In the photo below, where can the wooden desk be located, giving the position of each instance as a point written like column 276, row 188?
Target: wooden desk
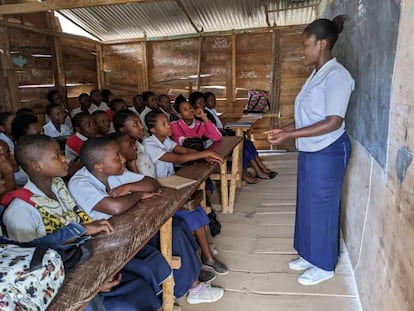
column 132, row 230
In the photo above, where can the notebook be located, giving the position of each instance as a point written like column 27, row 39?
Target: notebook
column 176, row 182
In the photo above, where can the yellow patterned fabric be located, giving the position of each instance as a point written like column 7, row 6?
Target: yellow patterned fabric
column 56, row 215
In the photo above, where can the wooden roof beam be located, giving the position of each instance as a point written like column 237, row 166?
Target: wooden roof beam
column 181, row 6
column 44, row 6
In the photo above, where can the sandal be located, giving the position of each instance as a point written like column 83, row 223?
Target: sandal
column 217, row 266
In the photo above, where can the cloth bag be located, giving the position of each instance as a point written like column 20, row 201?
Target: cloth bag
column 30, row 277
column 258, row 102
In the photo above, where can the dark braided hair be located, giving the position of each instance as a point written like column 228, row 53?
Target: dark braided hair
column 151, row 118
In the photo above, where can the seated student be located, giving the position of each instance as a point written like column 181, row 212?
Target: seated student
column 151, row 103
column 85, row 127
column 56, row 126
column 104, row 188
column 164, row 152
column 250, row 154
column 6, row 134
column 115, row 105
column 25, row 124
column 103, row 123
column 54, row 97
column 97, row 102
column 106, row 96
column 166, row 107
column 128, row 122
column 85, row 103
column 138, row 105
column 40, row 156
column 189, row 127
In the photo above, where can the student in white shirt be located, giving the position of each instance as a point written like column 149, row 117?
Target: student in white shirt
column 97, row 102
column 324, row 152
column 85, row 103
column 56, row 126
column 6, row 134
column 54, row 97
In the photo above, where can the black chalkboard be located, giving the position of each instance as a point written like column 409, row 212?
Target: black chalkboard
column 366, row 48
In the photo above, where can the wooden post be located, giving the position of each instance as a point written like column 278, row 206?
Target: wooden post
column 145, row 68
column 9, row 72
column 190, row 88
column 100, row 66
column 275, row 91
column 57, row 58
column 166, row 251
column 200, row 54
column 236, row 176
column 233, row 71
column 224, row 189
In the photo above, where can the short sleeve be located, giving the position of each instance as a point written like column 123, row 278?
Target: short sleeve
column 339, row 86
column 126, row 178
column 153, row 149
column 23, row 222
column 86, row 195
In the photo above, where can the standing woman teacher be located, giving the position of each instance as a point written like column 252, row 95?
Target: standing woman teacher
column 324, row 152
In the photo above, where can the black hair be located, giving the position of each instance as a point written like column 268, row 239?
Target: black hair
column 105, row 93
column 116, row 136
column 146, row 95
column 96, row 112
column 194, row 96
column 24, row 111
column 180, row 99
column 91, row 151
column 21, row 123
column 50, row 107
column 208, row 94
column 77, row 118
column 114, row 102
column 119, row 118
column 4, row 116
column 50, row 95
column 28, row 148
column 94, row 91
column 81, row 96
column 326, row 29
column 151, row 119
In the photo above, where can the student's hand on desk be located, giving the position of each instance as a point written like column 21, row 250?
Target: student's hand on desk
column 212, row 157
column 111, row 283
column 98, row 226
column 148, row 195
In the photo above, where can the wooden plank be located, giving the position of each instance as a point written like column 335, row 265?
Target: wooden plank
column 199, row 60
column 99, row 67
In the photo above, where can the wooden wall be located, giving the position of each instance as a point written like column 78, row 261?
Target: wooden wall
column 226, row 64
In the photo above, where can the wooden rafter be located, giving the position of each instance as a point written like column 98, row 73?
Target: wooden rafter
column 43, row 6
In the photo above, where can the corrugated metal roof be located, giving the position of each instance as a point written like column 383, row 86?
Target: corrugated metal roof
column 167, row 18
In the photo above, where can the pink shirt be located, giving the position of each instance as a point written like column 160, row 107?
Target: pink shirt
column 181, row 131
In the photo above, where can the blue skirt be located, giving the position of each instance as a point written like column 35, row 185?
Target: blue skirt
column 249, row 152
column 195, row 219
column 319, row 186
column 185, row 246
column 149, row 264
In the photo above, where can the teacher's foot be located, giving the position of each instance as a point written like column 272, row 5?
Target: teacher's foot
column 314, row 276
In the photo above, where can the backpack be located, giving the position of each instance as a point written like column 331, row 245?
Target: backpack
column 258, row 102
column 30, row 277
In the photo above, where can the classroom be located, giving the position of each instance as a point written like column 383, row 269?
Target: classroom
column 240, row 72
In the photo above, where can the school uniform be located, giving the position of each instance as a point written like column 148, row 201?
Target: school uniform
column 68, row 121
column 88, row 191
column 49, row 129
column 322, row 163
column 20, row 176
column 25, row 223
column 144, row 163
column 73, row 146
column 156, row 149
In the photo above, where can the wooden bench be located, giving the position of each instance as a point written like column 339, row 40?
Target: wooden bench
column 132, row 230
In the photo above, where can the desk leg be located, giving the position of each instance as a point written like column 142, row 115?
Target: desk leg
column 166, row 251
column 235, row 175
column 239, row 161
column 224, row 187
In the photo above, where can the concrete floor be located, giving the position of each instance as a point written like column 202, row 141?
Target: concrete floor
column 256, row 244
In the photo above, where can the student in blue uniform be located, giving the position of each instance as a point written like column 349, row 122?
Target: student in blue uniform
column 324, row 152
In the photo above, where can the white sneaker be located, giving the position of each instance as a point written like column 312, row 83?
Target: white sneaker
column 314, row 276
column 208, row 294
column 300, row 264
